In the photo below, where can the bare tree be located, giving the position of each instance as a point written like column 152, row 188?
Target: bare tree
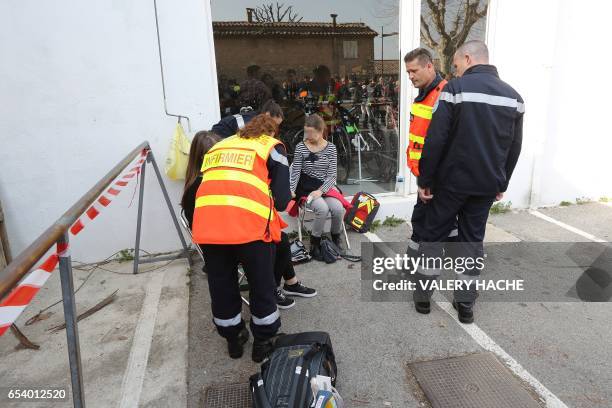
column 448, row 37
column 271, row 13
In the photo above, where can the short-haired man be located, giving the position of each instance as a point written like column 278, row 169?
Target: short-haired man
column 472, row 146
column 422, row 74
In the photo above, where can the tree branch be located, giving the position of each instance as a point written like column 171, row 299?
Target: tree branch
column 438, row 10
column 427, row 37
column 457, row 20
column 275, row 13
column 471, row 17
column 293, row 16
column 259, row 16
column 287, row 11
column 482, row 13
column 442, row 6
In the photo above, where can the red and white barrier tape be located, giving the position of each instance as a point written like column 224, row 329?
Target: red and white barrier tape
column 19, row 298
column 106, row 198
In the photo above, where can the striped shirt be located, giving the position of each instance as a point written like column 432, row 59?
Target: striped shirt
column 320, row 165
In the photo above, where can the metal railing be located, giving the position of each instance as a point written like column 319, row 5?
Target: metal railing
column 58, row 233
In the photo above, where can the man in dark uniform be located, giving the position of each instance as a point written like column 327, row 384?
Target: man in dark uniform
column 422, row 74
column 472, row 146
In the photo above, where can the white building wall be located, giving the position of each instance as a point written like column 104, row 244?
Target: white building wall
column 80, row 88
column 553, row 53
column 580, row 137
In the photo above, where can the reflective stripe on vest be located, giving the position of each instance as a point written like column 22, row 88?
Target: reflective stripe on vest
column 422, row 111
column 235, row 201
column 418, row 139
column 420, row 117
column 235, row 175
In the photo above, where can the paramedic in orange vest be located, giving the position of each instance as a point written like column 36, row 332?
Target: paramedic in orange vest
column 422, row 74
column 245, row 180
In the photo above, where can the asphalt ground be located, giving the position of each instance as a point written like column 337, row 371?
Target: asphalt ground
column 561, row 347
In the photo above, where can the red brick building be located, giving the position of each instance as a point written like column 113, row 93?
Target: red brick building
column 387, row 68
column 346, row 48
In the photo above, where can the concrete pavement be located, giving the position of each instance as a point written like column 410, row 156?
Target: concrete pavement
column 560, row 344
column 133, row 351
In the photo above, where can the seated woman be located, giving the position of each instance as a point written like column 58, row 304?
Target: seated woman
column 313, row 174
column 283, row 267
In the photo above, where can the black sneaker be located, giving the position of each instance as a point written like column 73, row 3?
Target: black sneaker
column 261, row 350
column 297, row 289
column 235, row 347
column 465, row 312
column 282, row 301
column 422, row 307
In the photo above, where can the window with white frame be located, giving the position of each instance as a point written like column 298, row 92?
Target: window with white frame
column 350, row 49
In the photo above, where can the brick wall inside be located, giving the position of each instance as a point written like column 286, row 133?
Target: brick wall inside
column 276, row 55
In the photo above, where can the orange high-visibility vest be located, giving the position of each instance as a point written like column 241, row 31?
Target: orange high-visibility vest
column 234, row 203
column 420, row 117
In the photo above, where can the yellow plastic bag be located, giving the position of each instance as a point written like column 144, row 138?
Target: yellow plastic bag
column 178, row 155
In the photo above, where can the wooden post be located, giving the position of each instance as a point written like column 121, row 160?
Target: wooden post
column 5, row 251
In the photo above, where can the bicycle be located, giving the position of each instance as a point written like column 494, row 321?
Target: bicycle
column 379, row 142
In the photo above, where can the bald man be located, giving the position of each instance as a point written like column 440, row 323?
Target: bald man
column 471, row 149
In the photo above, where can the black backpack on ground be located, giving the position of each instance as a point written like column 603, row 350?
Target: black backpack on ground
column 284, row 380
column 330, row 252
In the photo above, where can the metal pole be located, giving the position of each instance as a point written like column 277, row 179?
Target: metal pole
column 169, row 204
column 161, row 68
column 382, row 51
column 143, row 167
column 70, row 315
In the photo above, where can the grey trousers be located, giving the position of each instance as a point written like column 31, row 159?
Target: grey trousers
column 322, row 206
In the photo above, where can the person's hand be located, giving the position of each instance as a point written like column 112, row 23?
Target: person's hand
column 425, row 194
column 292, row 194
column 499, row 196
column 316, row 194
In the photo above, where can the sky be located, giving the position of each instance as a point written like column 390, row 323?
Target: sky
column 375, row 14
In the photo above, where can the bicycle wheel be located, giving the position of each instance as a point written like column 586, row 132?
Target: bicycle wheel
column 382, row 160
column 341, row 139
column 290, row 140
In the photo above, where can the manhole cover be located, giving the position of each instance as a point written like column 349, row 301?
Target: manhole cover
column 473, row 381
column 228, row 396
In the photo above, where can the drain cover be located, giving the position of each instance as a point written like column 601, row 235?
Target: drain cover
column 473, row 381
column 228, row 396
